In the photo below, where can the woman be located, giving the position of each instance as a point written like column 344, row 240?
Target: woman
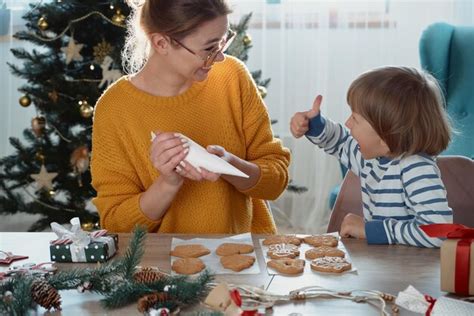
column 182, row 84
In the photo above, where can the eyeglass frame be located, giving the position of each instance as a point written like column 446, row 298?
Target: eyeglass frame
column 211, row 57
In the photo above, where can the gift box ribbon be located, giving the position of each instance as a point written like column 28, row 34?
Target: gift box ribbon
column 79, row 239
column 463, row 250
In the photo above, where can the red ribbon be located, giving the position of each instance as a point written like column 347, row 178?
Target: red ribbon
column 432, row 301
column 235, row 296
column 237, row 299
column 67, row 240
column 463, row 250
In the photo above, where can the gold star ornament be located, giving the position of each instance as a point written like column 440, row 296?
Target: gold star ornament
column 72, row 51
column 44, row 179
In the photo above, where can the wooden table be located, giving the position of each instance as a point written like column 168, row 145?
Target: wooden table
column 386, row 268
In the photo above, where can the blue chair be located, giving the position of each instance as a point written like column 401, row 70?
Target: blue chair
column 335, row 191
column 447, row 52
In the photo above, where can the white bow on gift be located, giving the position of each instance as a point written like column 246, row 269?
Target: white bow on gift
column 199, row 157
column 78, row 238
column 412, row 300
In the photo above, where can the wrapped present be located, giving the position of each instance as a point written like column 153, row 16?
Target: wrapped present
column 457, row 257
column 76, row 245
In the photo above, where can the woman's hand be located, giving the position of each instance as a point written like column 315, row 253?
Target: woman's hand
column 299, row 124
column 167, row 151
column 185, row 169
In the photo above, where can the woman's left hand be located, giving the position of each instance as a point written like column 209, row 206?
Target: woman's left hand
column 186, row 170
column 219, row 151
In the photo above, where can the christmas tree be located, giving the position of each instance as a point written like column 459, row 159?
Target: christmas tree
column 78, row 56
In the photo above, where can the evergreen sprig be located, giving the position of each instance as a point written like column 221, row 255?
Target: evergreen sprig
column 114, row 280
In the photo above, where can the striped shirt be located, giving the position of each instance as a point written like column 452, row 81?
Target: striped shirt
column 398, row 194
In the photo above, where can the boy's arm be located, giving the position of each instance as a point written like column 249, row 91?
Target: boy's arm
column 335, row 139
column 426, row 198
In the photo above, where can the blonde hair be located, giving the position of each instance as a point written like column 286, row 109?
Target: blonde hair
column 405, row 106
column 175, row 18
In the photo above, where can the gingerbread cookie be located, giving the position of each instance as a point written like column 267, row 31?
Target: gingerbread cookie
column 227, row 249
column 188, row 265
column 331, row 264
column 287, row 265
column 237, row 263
column 324, row 251
column 321, row 240
column 280, row 251
column 282, row 239
column 189, row 251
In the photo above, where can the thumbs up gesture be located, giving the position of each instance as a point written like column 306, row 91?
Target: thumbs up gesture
column 299, row 124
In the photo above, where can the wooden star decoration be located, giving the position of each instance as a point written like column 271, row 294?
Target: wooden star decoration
column 8, row 257
column 44, row 179
column 72, row 51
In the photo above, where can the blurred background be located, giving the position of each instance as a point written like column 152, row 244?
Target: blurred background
column 305, row 48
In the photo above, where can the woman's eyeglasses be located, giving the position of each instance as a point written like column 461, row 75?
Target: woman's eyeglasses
column 211, row 57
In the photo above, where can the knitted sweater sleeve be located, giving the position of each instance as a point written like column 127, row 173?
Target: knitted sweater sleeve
column 263, row 149
column 113, row 177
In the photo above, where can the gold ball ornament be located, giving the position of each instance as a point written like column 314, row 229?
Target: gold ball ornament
column 87, row 226
column 86, row 109
column 247, row 40
column 118, row 17
column 42, row 23
column 37, row 125
column 263, row 91
column 25, row 101
column 39, row 156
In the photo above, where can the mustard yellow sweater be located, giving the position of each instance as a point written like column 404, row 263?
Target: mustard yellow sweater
column 225, row 110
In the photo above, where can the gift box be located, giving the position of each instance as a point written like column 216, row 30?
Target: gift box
column 457, row 257
column 96, row 251
column 75, row 245
column 456, row 275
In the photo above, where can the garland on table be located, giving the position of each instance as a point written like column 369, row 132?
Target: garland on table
column 236, row 299
column 120, row 281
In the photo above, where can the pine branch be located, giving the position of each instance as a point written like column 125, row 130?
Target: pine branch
column 191, row 292
column 124, row 294
column 135, row 252
column 22, row 303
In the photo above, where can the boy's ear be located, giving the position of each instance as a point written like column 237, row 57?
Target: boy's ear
column 159, row 43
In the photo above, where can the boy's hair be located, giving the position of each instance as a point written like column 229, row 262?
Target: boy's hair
column 405, row 106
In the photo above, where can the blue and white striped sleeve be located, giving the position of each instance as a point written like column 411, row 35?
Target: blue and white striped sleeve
column 426, row 199
column 335, row 139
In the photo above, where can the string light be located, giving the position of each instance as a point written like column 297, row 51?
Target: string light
column 60, row 35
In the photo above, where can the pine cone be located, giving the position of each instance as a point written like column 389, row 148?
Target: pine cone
column 147, row 275
column 45, row 295
column 148, row 301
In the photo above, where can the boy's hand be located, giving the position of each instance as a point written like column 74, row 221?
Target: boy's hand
column 300, row 121
column 353, row 226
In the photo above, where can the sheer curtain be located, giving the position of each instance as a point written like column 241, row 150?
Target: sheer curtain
column 13, row 118
column 319, row 47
